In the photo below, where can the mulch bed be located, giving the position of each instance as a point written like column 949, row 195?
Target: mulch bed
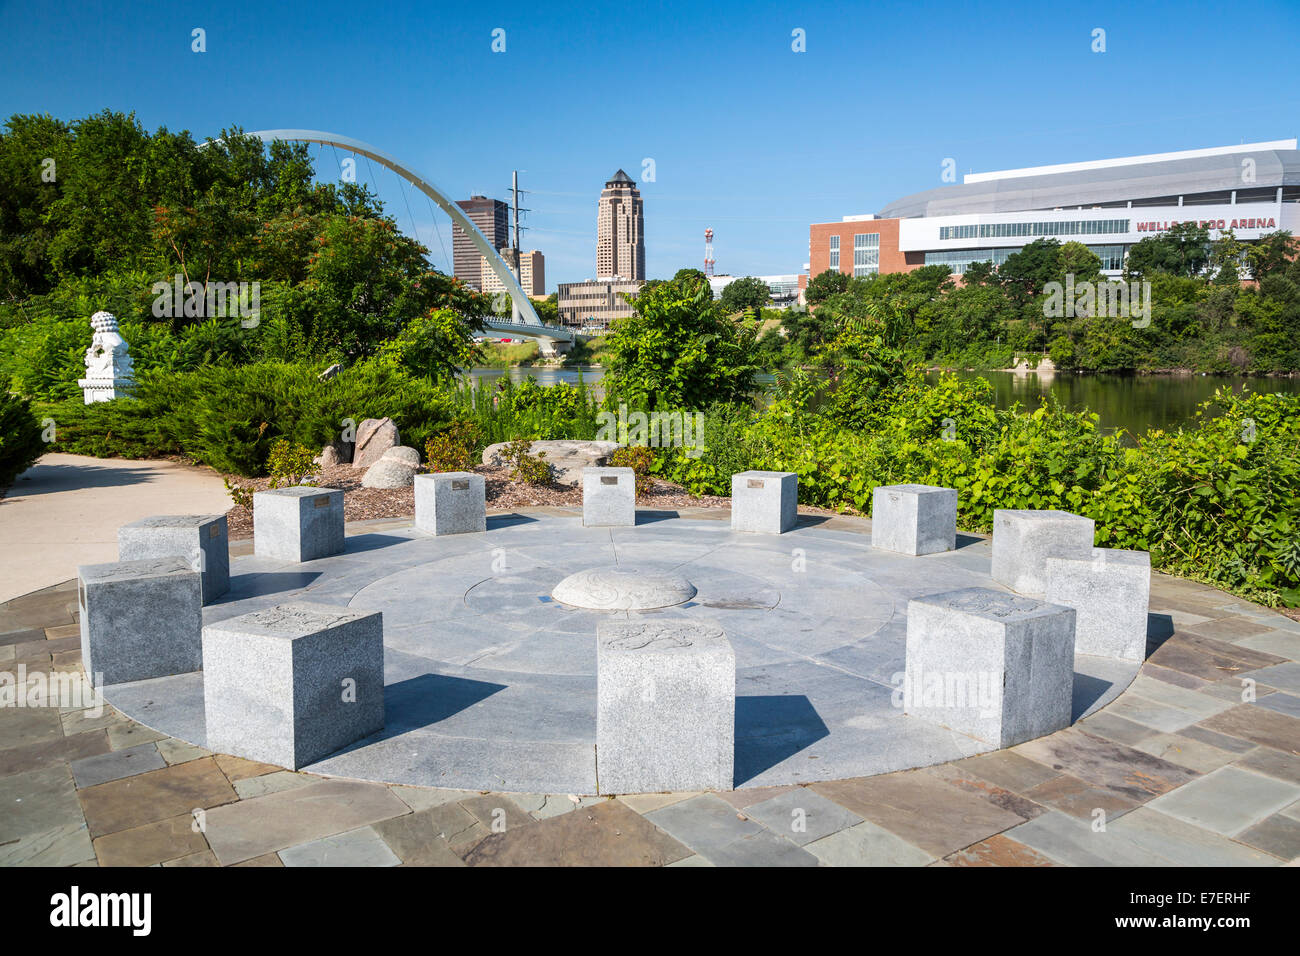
column 503, row 494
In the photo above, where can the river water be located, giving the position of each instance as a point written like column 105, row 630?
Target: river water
column 1136, row 403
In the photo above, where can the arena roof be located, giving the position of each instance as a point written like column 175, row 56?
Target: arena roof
column 1110, row 181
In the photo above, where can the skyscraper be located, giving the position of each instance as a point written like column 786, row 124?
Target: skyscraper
column 492, row 216
column 620, row 230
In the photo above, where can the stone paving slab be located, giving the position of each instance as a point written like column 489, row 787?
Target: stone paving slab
column 247, row 829
column 1221, row 790
column 360, row 847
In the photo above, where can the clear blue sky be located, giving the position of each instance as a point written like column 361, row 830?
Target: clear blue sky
column 747, row 136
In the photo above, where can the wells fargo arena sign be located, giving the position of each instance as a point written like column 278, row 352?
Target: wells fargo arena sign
column 1261, row 223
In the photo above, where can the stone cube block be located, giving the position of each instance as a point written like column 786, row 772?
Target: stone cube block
column 1023, row 540
column 292, row 684
column 202, row 540
column 608, row 497
column 765, row 502
column 665, row 707
column 450, row 502
column 1110, row 591
column 298, row 524
column 140, row 619
column 994, row 666
column 914, row 519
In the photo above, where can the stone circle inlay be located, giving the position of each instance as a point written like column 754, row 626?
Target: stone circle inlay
column 623, row 589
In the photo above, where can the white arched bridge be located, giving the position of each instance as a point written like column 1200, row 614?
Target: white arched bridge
column 524, row 321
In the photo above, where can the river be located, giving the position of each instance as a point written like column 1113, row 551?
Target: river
column 1136, row 403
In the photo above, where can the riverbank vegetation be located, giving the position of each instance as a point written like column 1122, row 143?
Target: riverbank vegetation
column 1201, row 316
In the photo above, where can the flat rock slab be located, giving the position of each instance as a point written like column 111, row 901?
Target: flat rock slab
column 567, row 457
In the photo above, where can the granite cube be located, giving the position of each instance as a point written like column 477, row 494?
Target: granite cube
column 1023, row 540
column 450, row 502
column 608, row 497
column 665, row 707
column 202, row 540
column 140, row 619
column 994, row 666
column 298, row 523
column 1110, row 591
column 765, row 502
column 292, row 684
column 914, row 519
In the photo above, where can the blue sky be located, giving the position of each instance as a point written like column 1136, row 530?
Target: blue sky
column 746, row 135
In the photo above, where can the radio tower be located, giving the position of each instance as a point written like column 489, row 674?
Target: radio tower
column 708, row 252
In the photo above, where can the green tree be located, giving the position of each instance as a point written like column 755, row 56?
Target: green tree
column 1182, row 250
column 678, row 350
column 1271, row 254
column 824, row 285
column 745, row 293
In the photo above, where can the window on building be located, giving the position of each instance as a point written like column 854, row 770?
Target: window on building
column 835, row 253
column 866, row 254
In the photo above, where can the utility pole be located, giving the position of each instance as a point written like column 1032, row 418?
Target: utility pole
column 516, row 251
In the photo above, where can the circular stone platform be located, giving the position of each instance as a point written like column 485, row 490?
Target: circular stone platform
column 624, row 589
column 491, row 678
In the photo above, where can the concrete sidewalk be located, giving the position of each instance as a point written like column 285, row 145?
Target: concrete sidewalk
column 65, row 510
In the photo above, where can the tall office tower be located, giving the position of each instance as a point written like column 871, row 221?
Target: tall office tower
column 620, row 230
column 492, row 216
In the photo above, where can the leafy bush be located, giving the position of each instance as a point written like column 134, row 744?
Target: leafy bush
column 502, row 409
column 526, row 467
column 290, row 464
column 453, row 448
column 240, row 495
column 641, row 460
column 20, row 437
column 229, row 418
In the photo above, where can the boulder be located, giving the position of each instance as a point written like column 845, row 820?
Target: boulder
column 389, row 473
column 566, row 457
column 374, row 437
column 403, row 453
column 328, row 457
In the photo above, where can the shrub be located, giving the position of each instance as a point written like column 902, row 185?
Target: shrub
column 20, row 437
column 290, row 464
column 241, row 495
column 526, row 467
column 641, row 460
column 229, row 418
column 453, row 448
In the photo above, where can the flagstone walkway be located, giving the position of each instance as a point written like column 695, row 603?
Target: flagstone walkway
column 1183, row 768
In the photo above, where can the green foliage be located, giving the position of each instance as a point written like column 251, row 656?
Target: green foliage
column 502, row 410
column 641, row 460
column 1182, row 250
column 434, row 345
column 524, row 466
column 824, row 285
column 453, row 448
column 229, row 418
column 290, row 464
column 20, row 437
column 240, row 495
column 745, row 293
column 678, row 351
